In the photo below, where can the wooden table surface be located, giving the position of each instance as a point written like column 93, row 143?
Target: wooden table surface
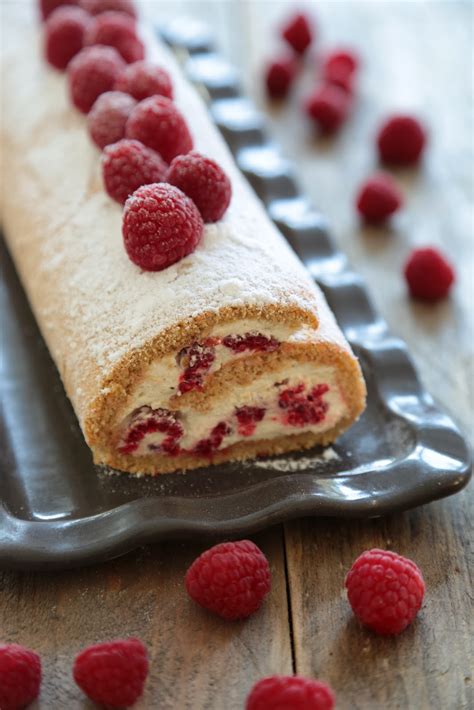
column 416, row 56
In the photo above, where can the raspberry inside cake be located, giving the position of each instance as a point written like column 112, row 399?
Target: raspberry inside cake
column 239, row 390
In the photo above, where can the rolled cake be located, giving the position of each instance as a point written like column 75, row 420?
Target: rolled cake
column 228, row 354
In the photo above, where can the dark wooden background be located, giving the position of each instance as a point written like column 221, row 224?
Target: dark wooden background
column 417, row 56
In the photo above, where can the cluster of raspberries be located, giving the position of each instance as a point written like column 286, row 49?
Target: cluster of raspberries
column 400, row 142
column 231, row 579
column 168, row 190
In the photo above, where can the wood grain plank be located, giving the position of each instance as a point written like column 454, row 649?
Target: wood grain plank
column 197, row 660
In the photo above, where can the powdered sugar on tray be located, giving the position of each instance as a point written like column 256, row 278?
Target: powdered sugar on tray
column 297, row 464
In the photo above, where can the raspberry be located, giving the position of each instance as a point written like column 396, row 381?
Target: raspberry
column 328, row 106
column 301, row 408
column 158, row 123
column 385, row 590
column 146, row 420
column 20, row 676
column 161, row 225
column 143, row 79
column 115, row 29
column 230, row 579
column 340, row 67
column 91, row 73
column 96, row 7
column 197, row 360
column 250, row 341
column 127, row 165
column 248, row 418
column 290, row 693
column 428, row 274
column 378, row 198
column 107, row 118
column 298, row 33
column 401, row 140
column 279, row 76
column 47, row 7
column 206, row 447
column 204, row 181
column 64, row 35
column 114, row 673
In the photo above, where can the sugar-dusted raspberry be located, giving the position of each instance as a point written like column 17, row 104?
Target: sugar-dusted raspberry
column 114, row 673
column 385, row 590
column 279, row 76
column 115, row 29
column 161, row 225
column 340, row 67
column 196, row 361
column 231, row 579
column 20, row 676
column 207, row 446
column 158, row 123
column 328, row 106
column 378, row 198
column 401, row 140
column 281, row 692
column 298, row 32
column 47, row 7
column 256, row 342
column 127, row 165
column 146, row 420
column 91, row 73
column 248, row 418
column 144, row 79
column 107, row 118
column 301, row 407
column 64, row 32
column 96, row 7
column 204, row 181
column 428, row 274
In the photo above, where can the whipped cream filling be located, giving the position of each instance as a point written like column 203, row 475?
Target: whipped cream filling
column 300, row 398
column 163, row 379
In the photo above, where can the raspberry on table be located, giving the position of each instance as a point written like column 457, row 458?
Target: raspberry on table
column 107, row 118
column 328, row 106
column 378, row 198
column 298, row 32
column 118, row 30
column 340, row 67
column 127, row 165
column 231, row 579
column 204, row 181
column 96, row 7
column 158, row 123
column 401, row 140
column 161, row 225
column 428, row 274
column 91, row 73
column 143, row 79
column 114, row 673
column 47, row 7
column 279, row 76
column 64, row 32
column 281, row 692
column 20, row 676
column 385, row 590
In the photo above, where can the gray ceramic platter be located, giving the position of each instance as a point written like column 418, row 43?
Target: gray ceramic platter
column 58, row 510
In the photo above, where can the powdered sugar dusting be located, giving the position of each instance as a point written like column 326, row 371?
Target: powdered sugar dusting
column 94, row 306
column 289, row 465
